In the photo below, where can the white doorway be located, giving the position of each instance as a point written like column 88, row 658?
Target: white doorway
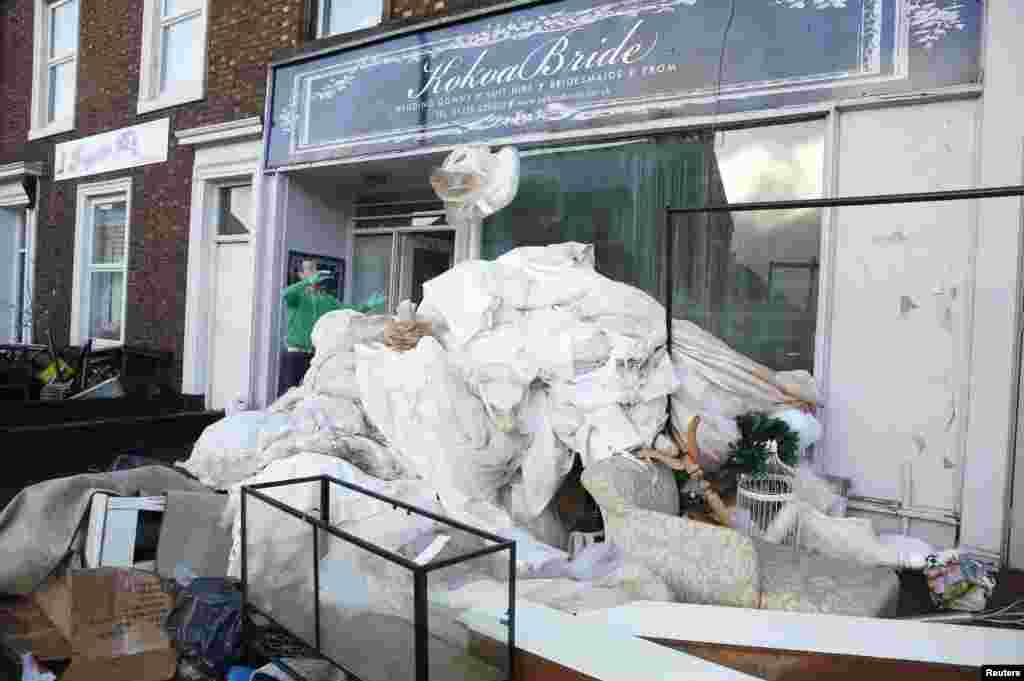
column 230, row 310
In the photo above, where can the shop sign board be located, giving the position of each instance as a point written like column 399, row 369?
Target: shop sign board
column 560, row 66
column 130, row 147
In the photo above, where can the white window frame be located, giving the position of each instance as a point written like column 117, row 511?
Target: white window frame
column 321, row 18
column 87, row 193
column 39, row 125
column 153, row 23
column 24, row 259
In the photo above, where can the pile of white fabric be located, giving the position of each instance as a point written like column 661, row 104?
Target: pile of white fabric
column 718, row 384
column 535, row 358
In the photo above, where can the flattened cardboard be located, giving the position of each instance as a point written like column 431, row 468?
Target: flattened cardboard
column 112, row 617
column 26, row 628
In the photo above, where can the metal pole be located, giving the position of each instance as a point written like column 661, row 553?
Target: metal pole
column 669, row 274
column 512, row 613
column 316, row 586
column 420, row 617
column 245, row 581
column 879, row 199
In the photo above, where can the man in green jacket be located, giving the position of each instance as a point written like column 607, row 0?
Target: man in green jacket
column 305, row 302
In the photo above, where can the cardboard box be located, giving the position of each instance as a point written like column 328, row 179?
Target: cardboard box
column 27, row 629
column 112, row 618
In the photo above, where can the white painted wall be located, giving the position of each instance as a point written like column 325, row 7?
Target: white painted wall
column 894, row 388
column 317, row 220
column 995, row 291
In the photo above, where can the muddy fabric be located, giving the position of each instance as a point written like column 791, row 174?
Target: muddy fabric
column 37, row 527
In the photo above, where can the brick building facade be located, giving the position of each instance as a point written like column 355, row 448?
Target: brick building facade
column 241, row 39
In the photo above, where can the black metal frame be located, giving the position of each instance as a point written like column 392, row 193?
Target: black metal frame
column 837, row 202
column 420, row 572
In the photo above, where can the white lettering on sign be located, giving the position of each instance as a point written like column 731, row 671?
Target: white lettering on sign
column 546, row 60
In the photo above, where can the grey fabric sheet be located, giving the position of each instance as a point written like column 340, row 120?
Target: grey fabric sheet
column 191, row 534
column 37, row 527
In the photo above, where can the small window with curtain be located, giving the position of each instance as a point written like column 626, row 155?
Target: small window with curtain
column 346, row 16
column 173, row 53
column 101, row 262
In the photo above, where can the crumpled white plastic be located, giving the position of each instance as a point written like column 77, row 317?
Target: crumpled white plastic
column 426, row 411
column 228, row 451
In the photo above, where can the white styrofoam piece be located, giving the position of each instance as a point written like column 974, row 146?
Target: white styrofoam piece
column 138, row 503
column 591, row 647
column 431, row 551
column 97, row 523
column 816, row 633
column 119, row 538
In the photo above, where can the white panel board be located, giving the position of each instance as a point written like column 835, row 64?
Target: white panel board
column 901, row 273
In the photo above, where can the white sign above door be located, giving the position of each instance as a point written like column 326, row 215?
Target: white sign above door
column 131, row 147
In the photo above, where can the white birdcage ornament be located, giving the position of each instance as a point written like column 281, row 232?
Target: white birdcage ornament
column 761, row 497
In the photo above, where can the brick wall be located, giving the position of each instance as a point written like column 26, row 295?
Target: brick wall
column 242, row 35
column 15, row 87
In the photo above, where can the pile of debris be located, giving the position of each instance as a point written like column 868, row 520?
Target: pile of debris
column 477, row 405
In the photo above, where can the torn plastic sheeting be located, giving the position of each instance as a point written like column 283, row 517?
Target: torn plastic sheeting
column 547, row 461
column 426, row 411
column 469, row 295
column 227, row 451
column 342, row 330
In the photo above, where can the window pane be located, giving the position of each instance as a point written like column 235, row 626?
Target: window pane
column 172, row 8
column 21, row 314
column 751, row 278
column 109, row 222
column 372, row 268
column 344, row 16
column 235, row 214
column 62, row 91
column 611, row 197
column 179, row 58
column 64, row 29
column 106, row 301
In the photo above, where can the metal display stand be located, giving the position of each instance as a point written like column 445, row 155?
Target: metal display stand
column 420, row 572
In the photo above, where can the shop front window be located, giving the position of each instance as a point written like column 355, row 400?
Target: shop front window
column 751, row 278
column 612, row 196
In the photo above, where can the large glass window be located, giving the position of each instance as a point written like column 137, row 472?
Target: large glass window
column 611, row 196
column 751, row 278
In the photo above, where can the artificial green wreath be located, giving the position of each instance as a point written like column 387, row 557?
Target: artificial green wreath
column 750, row 453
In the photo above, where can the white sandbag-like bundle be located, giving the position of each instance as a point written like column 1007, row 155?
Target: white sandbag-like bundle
column 422, row 406
column 228, row 451
column 718, row 384
column 558, row 353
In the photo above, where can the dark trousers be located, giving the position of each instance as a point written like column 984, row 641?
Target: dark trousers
column 294, row 366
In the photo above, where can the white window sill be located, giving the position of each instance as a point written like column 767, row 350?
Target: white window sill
column 169, row 99
column 54, row 128
column 103, row 344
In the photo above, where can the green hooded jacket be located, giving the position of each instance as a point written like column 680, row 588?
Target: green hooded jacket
column 304, row 309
